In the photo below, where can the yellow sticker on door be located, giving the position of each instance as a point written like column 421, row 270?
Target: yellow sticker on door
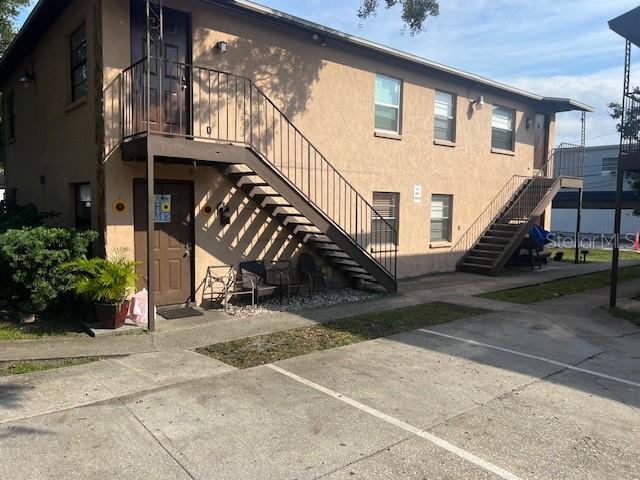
column 162, row 209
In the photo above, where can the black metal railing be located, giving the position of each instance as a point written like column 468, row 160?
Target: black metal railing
column 493, row 211
column 567, row 160
column 205, row 104
column 520, row 196
column 630, row 123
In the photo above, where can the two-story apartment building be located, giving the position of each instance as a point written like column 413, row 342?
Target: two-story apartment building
column 263, row 134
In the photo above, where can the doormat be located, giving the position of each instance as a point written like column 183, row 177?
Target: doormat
column 179, row 312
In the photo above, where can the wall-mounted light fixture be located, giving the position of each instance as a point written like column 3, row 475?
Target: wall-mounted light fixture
column 319, row 39
column 528, row 123
column 478, row 102
column 221, row 47
column 224, row 214
column 26, row 78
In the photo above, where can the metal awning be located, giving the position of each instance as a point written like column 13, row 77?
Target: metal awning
column 627, row 26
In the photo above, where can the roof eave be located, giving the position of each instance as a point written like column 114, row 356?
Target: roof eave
column 46, row 11
column 399, row 54
column 566, row 105
column 627, row 26
column 39, row 21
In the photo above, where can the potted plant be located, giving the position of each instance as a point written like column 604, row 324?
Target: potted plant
column 108, row 284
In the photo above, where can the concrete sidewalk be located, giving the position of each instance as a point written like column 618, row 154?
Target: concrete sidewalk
column 54, row 390
column 369, row 411
column 216, row 327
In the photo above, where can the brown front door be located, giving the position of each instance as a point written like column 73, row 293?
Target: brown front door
column 170, row 112
column 173, row 240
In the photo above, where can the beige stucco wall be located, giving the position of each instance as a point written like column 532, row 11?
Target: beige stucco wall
column 252, row 233
column 328, row 92
column 55, row 139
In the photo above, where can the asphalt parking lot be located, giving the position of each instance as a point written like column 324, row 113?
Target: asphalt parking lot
column 524, row 393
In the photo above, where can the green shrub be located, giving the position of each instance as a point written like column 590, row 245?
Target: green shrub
column 103, row 281
column 32, row 279
column 19, row 216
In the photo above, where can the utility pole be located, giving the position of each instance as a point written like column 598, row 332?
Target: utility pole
column 613, row 293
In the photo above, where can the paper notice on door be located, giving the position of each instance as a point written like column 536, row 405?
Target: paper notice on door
column 162, row 209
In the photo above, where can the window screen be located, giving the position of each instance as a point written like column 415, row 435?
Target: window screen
column 610, row 166
column 82, row 194
column 441, row 218
column 444, row 116
column 387, row 204
column 502, row 126
column 79, row 78
column 388, row 94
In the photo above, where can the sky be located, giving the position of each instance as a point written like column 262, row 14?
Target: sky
column 560, row 48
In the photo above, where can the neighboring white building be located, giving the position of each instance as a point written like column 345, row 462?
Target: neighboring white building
column 600, row 169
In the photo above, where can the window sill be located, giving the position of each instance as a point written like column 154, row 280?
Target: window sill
column 389, row 135
column 440, row 245
column 75, row 104
column 444, row 143
column 500, row 151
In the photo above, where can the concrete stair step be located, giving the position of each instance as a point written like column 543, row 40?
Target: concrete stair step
column 478, row 260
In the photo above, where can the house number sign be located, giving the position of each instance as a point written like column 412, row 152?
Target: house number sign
column 417, row 193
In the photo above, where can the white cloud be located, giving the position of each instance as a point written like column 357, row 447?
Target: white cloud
column 597, row 89
column 557, row 48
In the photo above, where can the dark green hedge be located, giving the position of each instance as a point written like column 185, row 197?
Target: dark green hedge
column 31, row 279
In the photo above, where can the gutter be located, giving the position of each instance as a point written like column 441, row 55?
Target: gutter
column 281, row 17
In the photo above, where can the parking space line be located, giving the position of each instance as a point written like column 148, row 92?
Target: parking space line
column 533, row 357
column 470, row 457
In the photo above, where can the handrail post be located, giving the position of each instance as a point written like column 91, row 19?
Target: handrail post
column 308, row 170
column 357, row 224
column 251, row 113
column 121, row 105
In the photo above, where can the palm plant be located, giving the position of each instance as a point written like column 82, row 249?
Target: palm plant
column 104, row 281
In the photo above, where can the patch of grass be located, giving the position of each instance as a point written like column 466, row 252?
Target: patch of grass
column 632, row 316
column 596, row 255
column 29, row 366
column 253, row 351
column 42, row 328
column 561, row 288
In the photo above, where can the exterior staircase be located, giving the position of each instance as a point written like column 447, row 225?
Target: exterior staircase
column 269, row 159
column 492, row 240
column 310, row 225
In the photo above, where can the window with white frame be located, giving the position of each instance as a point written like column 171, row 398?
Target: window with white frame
column 444, row 116
column 441, row 206
column 609, row 166
column 387, row 204
column 388, row 97
column 502, row 128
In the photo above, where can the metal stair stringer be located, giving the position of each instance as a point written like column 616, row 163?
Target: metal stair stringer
column 512, row 229
column 375, row 273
